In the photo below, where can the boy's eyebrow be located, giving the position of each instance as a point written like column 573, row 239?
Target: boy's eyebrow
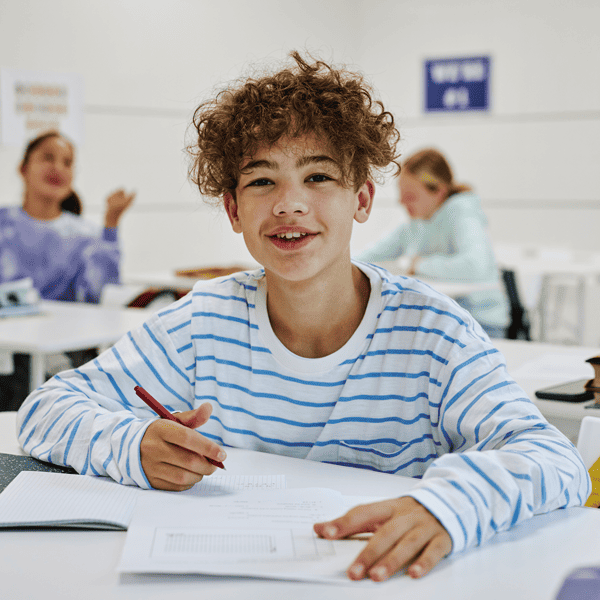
column 315, row 159
column 301, row 162
column 262, row 163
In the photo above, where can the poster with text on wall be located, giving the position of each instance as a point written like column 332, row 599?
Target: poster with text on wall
column 32, row 102
column 457, row 84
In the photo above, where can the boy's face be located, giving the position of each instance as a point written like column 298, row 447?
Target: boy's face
column 295, row 215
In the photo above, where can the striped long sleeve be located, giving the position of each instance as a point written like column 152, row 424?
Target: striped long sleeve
column 418, row 390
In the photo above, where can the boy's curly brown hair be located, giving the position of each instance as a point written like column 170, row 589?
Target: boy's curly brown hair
column 308, row 98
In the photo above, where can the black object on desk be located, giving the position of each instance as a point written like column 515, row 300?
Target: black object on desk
column 12, row 464
column 571, row 391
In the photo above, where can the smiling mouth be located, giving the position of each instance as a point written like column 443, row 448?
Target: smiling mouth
column 290, row 235
column 292, row 239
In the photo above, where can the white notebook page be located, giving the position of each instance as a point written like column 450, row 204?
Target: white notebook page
column 62, row 499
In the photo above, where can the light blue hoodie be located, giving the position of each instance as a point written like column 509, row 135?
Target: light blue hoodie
column 454, row 246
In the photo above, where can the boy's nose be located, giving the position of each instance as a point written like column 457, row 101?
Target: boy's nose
column 290, row 201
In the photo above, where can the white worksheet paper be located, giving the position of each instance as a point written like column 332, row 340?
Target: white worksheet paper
column 266, row 534
column 220, row 485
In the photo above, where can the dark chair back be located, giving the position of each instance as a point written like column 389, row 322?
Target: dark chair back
column 156, row 298
column 519, row 327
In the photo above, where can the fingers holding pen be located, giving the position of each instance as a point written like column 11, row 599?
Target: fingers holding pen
column 174, row 456
column 196, row 418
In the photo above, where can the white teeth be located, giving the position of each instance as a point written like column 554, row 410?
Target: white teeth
column 290, row 235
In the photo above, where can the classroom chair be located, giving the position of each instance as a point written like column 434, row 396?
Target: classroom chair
column 139, row 296
column 588, row 442
column 518, row 327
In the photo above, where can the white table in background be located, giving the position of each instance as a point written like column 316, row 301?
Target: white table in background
column 530, row 363
column 165, row 279
column 63, row 327
column 531, row 561
column 459, row 290
column 168, row 279
column 159, row 279
column 454, row 289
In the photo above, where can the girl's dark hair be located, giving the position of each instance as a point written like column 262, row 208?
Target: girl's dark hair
column 433, row 163
column 335, row 104
column 72, row 203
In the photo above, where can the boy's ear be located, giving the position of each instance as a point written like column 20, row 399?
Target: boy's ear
column 231, row 208
column 365, row 196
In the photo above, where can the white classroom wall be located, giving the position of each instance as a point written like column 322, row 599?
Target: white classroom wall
column 147, row 63
column 534, row 157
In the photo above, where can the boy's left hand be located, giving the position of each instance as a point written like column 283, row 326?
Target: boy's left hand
column 404, row 533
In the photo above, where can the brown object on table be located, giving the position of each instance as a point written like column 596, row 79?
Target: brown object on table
column 209, row 272
column 593, row 385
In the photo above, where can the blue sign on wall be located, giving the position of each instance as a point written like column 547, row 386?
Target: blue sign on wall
column 457, row 84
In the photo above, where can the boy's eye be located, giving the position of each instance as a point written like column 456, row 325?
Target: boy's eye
column 260, row 182
column 319, row 178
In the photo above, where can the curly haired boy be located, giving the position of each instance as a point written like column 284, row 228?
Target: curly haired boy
column 315, row 355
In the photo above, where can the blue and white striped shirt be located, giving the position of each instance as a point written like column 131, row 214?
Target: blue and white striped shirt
column 418, row 390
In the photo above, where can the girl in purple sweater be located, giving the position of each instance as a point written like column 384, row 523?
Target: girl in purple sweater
column 67, row 257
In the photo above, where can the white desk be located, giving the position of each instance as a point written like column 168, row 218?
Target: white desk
column 524, row 360
column 459, row 290
column 529, row 562
column 450, row 288
column 62, row 327
column 159, row 279
column 169, row 279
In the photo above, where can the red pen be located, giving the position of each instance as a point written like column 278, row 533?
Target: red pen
column 162, row 412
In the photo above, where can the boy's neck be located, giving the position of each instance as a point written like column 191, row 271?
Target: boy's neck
column 316, row 319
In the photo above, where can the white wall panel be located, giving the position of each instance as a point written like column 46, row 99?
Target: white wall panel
column 545, row 160
column 146, row 64
column 164, row 53
column 534, row 156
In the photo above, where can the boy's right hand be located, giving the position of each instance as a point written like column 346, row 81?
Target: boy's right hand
column 173, row 454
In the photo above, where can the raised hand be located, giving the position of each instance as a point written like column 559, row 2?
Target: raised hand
column 116, row 204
